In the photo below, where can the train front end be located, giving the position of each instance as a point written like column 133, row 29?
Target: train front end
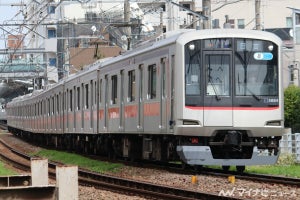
column 231, row 112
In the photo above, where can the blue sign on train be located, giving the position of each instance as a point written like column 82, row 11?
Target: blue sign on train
column 263, row 56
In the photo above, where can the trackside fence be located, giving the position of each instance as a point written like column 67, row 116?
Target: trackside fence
column 290, row 144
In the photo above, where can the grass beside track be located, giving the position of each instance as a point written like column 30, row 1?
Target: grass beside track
column 80, row 161
column 285, row 166
column 280, row 170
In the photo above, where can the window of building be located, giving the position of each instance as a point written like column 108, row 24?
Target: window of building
column 215, row 23
column 52, row 62
column 289, row 22
column 51, row 33
column 51, row 9
column 84, row 43
column 186, row 5
column 152, row 81
column 231, row 22
column 241, row 23
column 131, row 86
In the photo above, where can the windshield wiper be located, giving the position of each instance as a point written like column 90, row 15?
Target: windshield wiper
column 214, row 88
column 253, row 94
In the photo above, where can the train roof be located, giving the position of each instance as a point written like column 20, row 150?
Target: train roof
column 229, row 33
column 185, row 35
column 180, row 36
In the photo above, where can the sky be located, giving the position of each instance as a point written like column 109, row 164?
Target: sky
column 7, row 12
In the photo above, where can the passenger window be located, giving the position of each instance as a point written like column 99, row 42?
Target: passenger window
column 57, row 103
column 100, row 91
column 114, row 87
column 87, row 96
column 152, row 81
column 131, row 86
column 71, row 100
column 78, row 98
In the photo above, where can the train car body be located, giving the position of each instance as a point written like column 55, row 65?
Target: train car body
column 205, row 97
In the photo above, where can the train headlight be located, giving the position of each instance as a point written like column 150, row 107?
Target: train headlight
column 270, row 47
column 192, row 47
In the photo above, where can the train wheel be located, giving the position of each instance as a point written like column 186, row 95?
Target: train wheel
column 225, row 167
column 240, row 169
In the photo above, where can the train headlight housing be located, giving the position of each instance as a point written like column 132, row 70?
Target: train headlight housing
column 192, row 47
column 270, row 47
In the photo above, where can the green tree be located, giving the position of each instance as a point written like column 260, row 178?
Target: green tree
column 292, row 108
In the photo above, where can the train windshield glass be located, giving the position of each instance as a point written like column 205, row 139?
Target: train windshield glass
column 193, row 73
column 256, row 68
column 192, row 68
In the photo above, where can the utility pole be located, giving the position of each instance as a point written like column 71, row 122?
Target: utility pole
column 127, row 20
column 206, row 4
column 172, row 15
column 257, row 15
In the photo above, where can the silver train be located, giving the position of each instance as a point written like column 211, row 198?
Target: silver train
column 207, row 97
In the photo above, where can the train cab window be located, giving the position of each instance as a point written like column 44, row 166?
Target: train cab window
column 152, row 81
column 192, row 73
column 256, row 68
column 131, row 86
column 217, row 74
column 114, row 89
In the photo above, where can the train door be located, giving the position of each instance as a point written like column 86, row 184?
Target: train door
column 163, row 100
column 101, row 104
column 94, row 107
column 218, row 88
column 140, row 99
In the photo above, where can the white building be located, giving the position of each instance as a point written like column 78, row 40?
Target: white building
column 275, row 16
column 55, row 22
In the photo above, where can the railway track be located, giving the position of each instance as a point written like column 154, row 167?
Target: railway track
column 112, row 183
column 244, row 176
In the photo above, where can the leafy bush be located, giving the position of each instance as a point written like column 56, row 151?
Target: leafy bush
column 286, row 159
column 292, row 108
